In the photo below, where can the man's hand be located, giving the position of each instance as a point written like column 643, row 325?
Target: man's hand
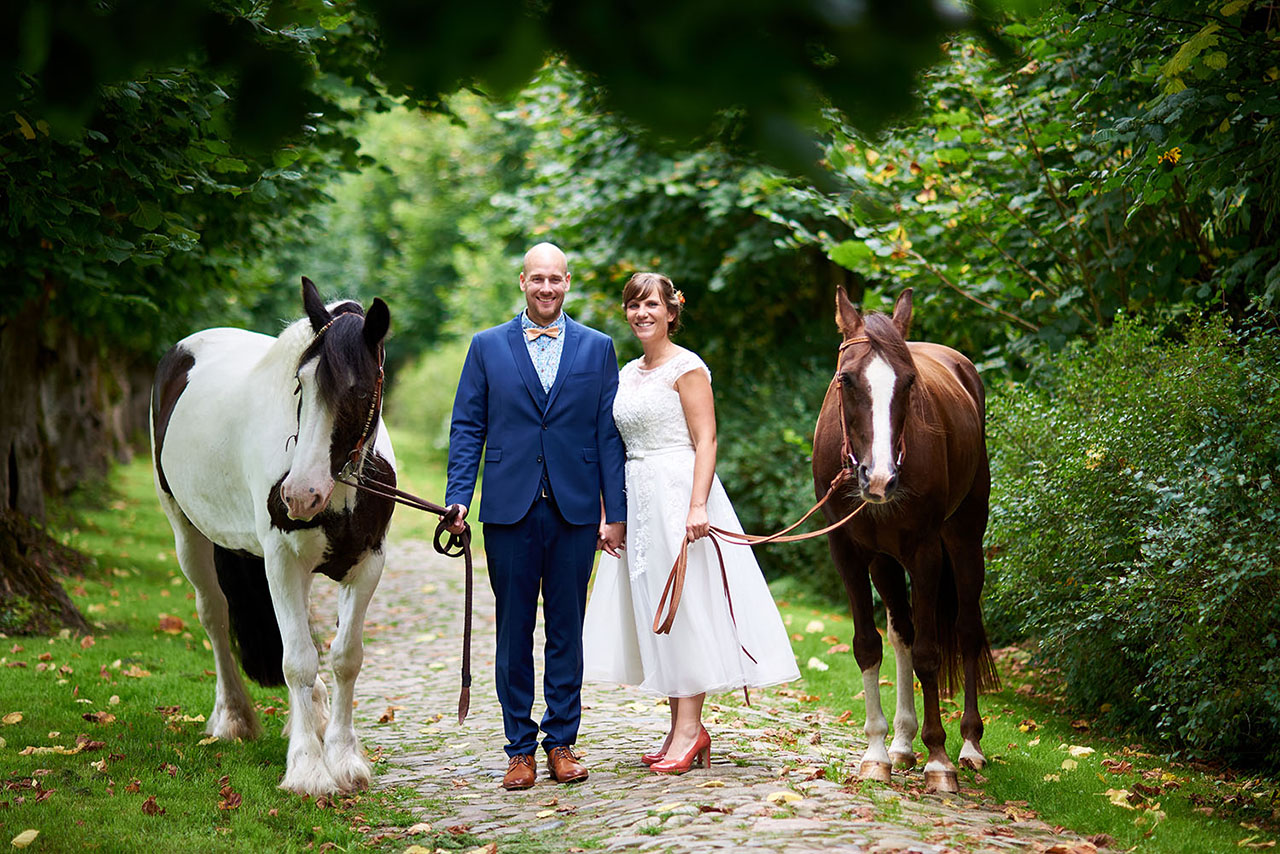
column 458, row 525
column 612, row 536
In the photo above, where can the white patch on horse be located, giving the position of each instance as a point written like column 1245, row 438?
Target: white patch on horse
column 880, row 381
column 306, row 490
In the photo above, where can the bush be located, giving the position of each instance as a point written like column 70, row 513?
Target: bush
column 765, row 431
column 1134, row 533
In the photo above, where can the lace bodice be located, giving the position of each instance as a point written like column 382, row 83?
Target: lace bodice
column 647, row 408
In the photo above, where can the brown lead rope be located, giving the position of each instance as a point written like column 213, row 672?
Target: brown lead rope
column 456, row 545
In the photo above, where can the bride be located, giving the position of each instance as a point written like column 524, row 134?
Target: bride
column 665, row 411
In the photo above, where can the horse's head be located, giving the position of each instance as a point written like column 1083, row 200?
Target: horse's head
column 340, row 383
column 875, row 374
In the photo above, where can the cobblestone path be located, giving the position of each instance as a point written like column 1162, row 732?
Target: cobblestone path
column 776, row 781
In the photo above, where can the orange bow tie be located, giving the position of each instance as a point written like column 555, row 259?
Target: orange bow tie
column 550, row 331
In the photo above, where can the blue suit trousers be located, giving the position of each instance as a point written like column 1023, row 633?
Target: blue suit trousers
column 540, row 553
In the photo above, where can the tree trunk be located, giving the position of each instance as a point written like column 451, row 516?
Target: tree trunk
column 32, row 602
column 66, row 410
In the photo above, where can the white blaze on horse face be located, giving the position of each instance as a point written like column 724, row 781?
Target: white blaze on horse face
column 306, row 489
column 880, row 380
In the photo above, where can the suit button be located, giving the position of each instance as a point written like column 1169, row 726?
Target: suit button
column 544, row 426
column 539, row 457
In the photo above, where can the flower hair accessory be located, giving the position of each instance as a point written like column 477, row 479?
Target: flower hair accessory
column 680, row 297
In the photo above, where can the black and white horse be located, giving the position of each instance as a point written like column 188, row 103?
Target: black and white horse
column 248, row 435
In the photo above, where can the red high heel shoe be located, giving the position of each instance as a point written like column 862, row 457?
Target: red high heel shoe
column 701, row 752
column 650, row 758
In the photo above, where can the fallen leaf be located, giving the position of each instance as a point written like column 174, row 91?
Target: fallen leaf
column 86, row 641
column 1119, row 797
column 11, row 719
column 816, row 663
column 711, row 784
column 150, row 807
column 99, row 717
column 420, row 827
column 491, row 848
column 814, row 626
column 136, row 672
column 171, row 624
column 783, row 797
column 418, row 849
column 25, row 838
column 838, row 648
column 210, row 740
column 1078, row 751
column 544, row 813
column 1069, row 765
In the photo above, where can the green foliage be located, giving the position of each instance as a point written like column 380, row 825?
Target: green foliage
column 417, row 229
column 678, row 67
column 1134, row 532
column 1096, row 174
column 136, row 223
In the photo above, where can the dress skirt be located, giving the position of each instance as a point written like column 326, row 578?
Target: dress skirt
column 704, row 651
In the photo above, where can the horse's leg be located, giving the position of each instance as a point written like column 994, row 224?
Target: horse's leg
column 233, row 715
column 851, row 562
column 962, row 538
column 320, row 693
column 890, row 579
column 305, row 770
column 342, row 750
column 926, row 568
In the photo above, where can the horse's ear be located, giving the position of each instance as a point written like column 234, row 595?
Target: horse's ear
column 316, row 312
column 902, row 312
column 847, row 317
column 376, row 323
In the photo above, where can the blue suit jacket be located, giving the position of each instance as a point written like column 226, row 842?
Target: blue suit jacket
column 501, row 407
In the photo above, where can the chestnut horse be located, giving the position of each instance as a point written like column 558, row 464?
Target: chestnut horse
column 905, row 423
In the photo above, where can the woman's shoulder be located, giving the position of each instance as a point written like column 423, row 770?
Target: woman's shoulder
column 684, row 361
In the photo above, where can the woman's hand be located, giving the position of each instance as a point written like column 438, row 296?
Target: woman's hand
column 697, row 525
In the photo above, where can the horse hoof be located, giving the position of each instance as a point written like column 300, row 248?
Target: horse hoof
column 903, row 761
column 878, row 772
column 973, row 763
column 941, row 781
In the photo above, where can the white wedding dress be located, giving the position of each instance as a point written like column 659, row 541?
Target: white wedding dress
column 704, row 651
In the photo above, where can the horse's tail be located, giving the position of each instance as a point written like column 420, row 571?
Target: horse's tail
column 254, row 630
column 951, row 667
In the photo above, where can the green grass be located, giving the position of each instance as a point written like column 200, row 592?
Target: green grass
column 151, row 674
column 1026, row 742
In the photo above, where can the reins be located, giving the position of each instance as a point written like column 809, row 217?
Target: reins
column 674, row 587
column 455, row 545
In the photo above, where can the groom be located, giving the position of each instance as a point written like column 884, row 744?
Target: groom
column 536, row 394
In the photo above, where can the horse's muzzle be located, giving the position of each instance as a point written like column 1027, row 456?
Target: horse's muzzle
column 303, row 505
column 877, row 487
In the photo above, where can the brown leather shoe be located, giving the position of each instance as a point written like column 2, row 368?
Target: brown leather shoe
column 521, row 772
column 564, row 766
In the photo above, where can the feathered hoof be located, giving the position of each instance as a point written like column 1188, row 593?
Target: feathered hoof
column 941, row 781
column 903, row 761
column 229, row 724
column 315, row 780
column 878, row 772
column 350, row 769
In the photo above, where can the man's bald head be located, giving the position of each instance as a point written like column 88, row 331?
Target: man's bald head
column 545, row 255
column 544, row 281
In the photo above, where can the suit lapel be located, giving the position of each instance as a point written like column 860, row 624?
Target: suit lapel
column 524, row 364
column 572, row 337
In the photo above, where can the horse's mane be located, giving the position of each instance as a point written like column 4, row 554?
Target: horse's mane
column 342, row 344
